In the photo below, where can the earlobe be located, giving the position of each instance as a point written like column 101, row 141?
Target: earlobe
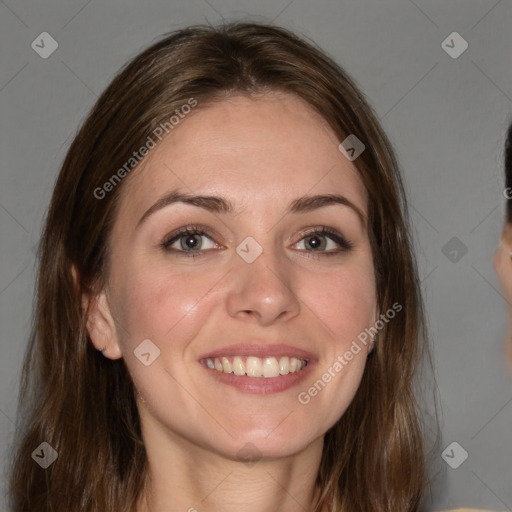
column 101, row 326
column 100, row 323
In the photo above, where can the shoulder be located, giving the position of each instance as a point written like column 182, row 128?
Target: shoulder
column 467, row 510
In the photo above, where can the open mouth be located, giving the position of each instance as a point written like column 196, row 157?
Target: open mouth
column 252, row 366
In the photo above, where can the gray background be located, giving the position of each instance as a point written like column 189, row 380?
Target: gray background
column 446, row 118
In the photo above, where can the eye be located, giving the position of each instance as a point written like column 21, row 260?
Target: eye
column 194, row 241
column 189, row 240
column 324, row 240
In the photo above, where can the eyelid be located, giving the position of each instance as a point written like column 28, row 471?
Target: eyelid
column 193, row 229
column 201, row 230
column 335, row 235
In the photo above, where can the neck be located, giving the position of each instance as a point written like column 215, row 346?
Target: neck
column 183, row 477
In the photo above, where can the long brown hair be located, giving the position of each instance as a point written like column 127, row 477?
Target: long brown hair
column 83, row 404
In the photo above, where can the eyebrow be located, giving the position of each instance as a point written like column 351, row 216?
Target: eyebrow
column 217, row 204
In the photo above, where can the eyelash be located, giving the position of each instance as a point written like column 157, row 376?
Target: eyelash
column 345, row 245
column 189, row 230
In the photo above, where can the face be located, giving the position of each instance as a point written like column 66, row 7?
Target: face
column 221, row 256
column 503, row 265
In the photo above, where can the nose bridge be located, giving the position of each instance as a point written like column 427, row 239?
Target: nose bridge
column 262, row 283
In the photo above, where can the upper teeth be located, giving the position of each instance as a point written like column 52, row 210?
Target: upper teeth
column 256, row 366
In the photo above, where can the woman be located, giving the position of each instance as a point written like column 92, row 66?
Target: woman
column 502, row 258
column 228, row 311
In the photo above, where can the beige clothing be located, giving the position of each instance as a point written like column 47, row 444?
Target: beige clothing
column 467, row 510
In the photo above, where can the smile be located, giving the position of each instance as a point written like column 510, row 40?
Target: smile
column 251, row 366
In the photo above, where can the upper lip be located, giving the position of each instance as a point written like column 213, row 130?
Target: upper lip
column 260, row 349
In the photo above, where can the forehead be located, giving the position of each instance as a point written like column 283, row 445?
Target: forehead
column 269, row 149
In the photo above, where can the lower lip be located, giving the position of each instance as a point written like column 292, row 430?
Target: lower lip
column 262, row 385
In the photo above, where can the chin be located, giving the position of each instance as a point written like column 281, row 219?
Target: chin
column 268, row 444
column 252, row 450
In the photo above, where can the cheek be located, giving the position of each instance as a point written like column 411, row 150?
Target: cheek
column 503, row 265
column 160, row 304
column 169, row 308
column 343, row 301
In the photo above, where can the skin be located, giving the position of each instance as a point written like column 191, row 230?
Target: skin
column 260, row 153
column 503, row 265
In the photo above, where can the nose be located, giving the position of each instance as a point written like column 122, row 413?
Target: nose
column 262, row 291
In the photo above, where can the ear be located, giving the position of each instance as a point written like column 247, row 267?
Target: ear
column 100, row 323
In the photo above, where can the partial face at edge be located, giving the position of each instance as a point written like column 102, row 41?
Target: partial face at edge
column 502, row 263
column 312, row 292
